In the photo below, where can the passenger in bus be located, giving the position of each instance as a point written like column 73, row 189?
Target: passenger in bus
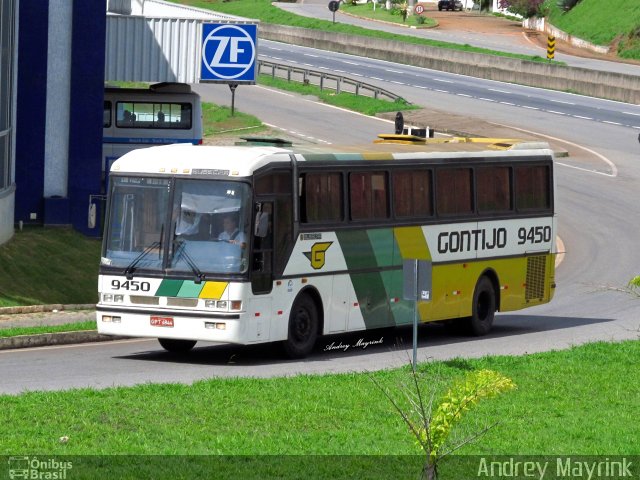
column 188, row 223
column 230, row 232
column 160, row 116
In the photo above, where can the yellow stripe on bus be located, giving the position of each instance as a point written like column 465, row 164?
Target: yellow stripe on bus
column 412, row 243
column 213, row 290
column 377, row 156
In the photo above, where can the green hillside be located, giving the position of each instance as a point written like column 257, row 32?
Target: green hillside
column 602, row 22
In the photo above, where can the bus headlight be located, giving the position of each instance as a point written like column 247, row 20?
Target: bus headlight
column 112, row 298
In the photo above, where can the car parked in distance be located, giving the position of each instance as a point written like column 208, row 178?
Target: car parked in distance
column 450, row 5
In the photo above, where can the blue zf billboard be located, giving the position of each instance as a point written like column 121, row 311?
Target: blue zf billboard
column 229, row 53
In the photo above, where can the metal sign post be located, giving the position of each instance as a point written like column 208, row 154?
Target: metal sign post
column 232, row 87
column 417, row 287
column 334, row 5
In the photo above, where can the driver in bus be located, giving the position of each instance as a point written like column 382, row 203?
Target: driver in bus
column 230, row 232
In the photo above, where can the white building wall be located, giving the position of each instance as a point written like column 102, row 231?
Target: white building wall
column 7, row 208
column 8, row 195
column 56, row 168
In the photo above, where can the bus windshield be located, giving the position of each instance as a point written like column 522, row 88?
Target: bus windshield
column 178, row 225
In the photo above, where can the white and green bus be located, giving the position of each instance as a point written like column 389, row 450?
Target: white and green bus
column 251, row 244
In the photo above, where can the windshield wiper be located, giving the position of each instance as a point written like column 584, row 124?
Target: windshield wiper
column 128, row 272
column 181, row 252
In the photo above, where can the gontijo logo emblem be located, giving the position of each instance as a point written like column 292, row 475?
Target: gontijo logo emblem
column 317, row 254
column 229, row 52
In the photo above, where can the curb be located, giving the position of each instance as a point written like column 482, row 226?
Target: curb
column 557, row 153
column 45, row 308
column 48, row 339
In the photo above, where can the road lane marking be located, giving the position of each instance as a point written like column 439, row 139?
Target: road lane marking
column 560, row 101
column 614, row 168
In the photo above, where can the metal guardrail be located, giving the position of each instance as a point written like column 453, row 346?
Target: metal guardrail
column 325, row 80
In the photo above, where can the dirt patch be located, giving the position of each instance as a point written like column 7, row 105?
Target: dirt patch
column 476, row 22
column 473, row 21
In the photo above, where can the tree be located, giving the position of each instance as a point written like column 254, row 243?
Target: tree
column 526, row 8
column 432, row 423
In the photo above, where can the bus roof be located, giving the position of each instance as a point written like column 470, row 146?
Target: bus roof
column 244, row 160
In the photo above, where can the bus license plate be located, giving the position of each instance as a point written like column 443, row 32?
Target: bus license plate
column 161, row 322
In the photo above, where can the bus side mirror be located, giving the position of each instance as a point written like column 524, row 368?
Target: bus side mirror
column 92, row 215
column 262, row 224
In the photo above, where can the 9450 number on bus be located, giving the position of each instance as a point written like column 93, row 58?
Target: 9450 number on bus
column 534, row 235
column 131, row 285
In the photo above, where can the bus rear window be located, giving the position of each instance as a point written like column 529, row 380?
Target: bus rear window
column 368, row 195
column 453, row 191
column 153, row 115
column 533, row 188
column 322, row 197
column 493, row 185
column 412, row 194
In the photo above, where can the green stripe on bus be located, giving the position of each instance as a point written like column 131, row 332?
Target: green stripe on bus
column 169, row 288
column 319, row 157
column 384, row 247
column 190, row 289
column 369, row 287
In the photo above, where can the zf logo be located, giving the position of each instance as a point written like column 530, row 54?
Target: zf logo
column 317, row 254
column 229, row 52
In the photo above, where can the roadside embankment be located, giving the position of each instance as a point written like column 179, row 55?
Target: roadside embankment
column 609, row 85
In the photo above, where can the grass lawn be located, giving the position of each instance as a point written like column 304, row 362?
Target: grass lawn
column 49, row 265
column 67, row 327
column 581, row 401
column 598, row 21
column 380, row 13
column 217, row 119
column 357, row 103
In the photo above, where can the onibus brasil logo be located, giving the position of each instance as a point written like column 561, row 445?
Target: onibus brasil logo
column 317, row 254
column 36, row 468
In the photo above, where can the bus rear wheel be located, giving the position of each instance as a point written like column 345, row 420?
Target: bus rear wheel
column 177, row 346
column 483, row 308
column 303, row 328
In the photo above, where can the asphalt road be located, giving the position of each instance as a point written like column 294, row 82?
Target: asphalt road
column 519, row 44
column 598, row 218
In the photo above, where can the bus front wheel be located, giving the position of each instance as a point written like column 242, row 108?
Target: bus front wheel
column 303, row 328
column 483, row 308
column 176, row 346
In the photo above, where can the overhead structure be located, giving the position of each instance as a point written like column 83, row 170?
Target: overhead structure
column 157, row 41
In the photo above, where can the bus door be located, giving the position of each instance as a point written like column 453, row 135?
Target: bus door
column 262, row 261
